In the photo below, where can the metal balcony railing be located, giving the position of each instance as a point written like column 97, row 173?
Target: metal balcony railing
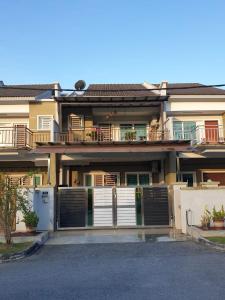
column 15, row 137
column 107, row 134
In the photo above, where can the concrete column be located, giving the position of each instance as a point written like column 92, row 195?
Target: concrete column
column 53, row 169
column 170, row 168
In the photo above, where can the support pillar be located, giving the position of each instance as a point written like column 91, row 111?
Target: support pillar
column 170, row 168
column 52, row 170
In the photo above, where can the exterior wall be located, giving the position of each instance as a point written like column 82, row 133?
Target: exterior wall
column 77, row 173
column 42, row 108
column 195, row 103
column 17, row 169
column 14, row 108
column 43, row 205
column 195, row 201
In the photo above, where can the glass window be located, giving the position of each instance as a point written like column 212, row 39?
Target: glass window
column 140, row 132
column 143, row 179
column 132, row 179
column 188, row 177
column 184, row 130
column 88, row 180
column 37, row 180
column 126, row 132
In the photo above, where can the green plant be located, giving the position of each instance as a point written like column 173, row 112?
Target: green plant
column 12, row 199
column 206, row 218
column 218, row 215
column 30, row 219
column 130, row 135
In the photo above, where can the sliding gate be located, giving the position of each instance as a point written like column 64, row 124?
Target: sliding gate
column 112, row 207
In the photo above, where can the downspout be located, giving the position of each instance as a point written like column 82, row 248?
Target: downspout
column 48, row 179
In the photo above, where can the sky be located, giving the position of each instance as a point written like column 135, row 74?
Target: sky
column 112, row 41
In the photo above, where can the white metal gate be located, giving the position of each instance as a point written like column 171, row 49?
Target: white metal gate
column 103, row 207
column 126, row 207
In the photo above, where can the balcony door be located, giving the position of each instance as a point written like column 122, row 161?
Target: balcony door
column 133, row 132
column 211, row 131
column 6, row 135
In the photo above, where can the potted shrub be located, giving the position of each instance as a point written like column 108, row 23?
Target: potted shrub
column 205, row 219
column 218, row 217
column 130, row 136
column 31, row 220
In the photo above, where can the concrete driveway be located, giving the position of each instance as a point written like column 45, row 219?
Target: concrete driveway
column 150, row 270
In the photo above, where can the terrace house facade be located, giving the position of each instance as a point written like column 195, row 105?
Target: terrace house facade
column 112, row 151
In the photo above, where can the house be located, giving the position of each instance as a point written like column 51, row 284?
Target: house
column 111, row 151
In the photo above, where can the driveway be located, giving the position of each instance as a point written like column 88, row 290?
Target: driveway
column 149, row 270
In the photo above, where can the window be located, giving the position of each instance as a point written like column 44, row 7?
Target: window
column 37, row 180
column 101, row 179
column 189, row 178
column 134, row 132
column 22, row 180
column 133, row 179
column 184, row 130
column 75, row 121
column 45, row 122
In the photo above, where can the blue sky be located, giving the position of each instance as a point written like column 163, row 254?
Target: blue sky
column 104, row 41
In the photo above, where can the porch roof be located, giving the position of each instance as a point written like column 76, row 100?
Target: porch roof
column 114, row 147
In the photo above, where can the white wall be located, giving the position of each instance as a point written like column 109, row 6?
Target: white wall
column 195, row 200
column 15, row 108
column 43, row 204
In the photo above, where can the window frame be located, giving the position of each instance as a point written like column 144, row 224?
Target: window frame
column 193, row 175
column 138, row 180
column 38, row 122
column 182, row 133
column 100, row 173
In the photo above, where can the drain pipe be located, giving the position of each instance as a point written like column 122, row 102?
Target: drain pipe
column 189, row 212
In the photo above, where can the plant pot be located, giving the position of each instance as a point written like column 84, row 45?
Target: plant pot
column 31, row 229
column 218, row 224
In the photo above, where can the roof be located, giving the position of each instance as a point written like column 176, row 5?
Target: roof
column 119, row 90
column 199, row 89
column 30, row 90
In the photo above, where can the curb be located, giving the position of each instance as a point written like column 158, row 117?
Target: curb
column 37, row 244
column 195, row 235
column 206, row 242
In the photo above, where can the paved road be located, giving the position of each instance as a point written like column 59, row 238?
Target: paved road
column 172, row 270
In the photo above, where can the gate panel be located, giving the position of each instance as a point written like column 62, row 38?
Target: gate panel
column 103, row 207
column 72, row 207
column 126, row 207
column 155, row 201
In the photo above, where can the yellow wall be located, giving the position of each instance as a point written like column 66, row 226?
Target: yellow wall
column 41, row 108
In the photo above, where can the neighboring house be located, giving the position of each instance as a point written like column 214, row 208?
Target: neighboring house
column 136, row 136
column 27, row 113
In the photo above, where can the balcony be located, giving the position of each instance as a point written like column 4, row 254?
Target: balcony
column 20, row 137
column 17, row 137
column 108, row 134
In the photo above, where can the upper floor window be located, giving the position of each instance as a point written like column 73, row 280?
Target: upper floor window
column 184, row 130
column 76, row 121
column 45, row 122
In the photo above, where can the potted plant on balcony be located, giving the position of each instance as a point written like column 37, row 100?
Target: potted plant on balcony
column 218, row 217
column 31, row 220
column 130, row 136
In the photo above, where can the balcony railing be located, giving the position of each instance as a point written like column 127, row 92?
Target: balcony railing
column 107, row 134
column 15, row 137
column 22, row 137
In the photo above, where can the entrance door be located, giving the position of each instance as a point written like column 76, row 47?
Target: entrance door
column 211, row 131
column 126, row 207
column 103, row 207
